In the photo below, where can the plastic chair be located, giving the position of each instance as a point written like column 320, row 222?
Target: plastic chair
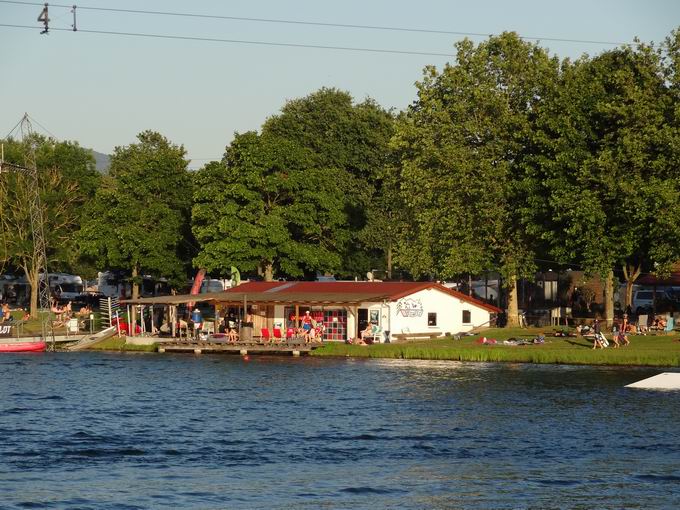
column 277, row 335
column 670, row 325
column 265, row 334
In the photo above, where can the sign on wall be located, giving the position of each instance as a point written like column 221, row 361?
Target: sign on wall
column 410, row 307
column 5, row 330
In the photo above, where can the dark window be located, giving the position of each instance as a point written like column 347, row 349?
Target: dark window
column 466, row 317
column 431, row 319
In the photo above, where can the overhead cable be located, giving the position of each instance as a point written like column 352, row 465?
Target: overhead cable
column 313, row 23
column 239, row 41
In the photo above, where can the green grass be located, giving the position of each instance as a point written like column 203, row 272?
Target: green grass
column 118, row 344
column 656, row 350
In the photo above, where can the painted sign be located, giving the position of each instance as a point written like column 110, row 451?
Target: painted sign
column 5, row 330
column 410, row 307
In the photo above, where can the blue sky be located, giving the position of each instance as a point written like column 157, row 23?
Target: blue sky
column 102, row 90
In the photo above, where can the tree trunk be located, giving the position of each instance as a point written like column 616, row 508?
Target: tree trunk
column 609, row 299
column 513, row 310
column 630, row 273
column 389, row 261
column 33, row 279
column 268, row 272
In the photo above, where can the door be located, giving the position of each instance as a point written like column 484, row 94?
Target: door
column 362, row 321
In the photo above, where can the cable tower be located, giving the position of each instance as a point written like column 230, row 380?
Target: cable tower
column 30, row 169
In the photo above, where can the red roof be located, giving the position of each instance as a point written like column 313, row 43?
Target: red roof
column 392, row 290
column 650, row 279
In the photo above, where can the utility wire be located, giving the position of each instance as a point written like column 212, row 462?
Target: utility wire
column 43, row 127
column 13, row 129
column 312, row 23
column 239, row 41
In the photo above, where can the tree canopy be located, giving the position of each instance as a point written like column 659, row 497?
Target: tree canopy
column 66, row 180
column 139, row 218
column 463, row 147
column 606, row 173
column 266, row 208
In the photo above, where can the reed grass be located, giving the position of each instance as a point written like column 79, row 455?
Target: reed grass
column 657, row 350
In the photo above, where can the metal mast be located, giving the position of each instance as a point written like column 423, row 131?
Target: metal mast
column 30, row 169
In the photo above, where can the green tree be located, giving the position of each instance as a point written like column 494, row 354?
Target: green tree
column 66, row 180
column 265, row 207
column 463, row 147
column 349, row 144
column 387, row 217
column 608, row 168
column 139, row 217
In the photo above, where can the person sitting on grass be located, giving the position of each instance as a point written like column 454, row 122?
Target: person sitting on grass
column 6, row 313
column 26, row 316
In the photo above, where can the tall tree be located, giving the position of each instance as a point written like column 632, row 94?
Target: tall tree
column 607, row 172
column 266, row 207
column 463, row 147
column 66, row 180
column 349, row 145
column 140, row 215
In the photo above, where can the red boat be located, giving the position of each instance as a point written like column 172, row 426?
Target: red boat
column 19, row 346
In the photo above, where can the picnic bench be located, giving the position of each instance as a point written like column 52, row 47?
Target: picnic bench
column 405, row 337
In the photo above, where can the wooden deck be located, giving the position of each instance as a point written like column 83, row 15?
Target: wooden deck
column 198, row 347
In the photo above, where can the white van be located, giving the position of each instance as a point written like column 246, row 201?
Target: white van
column 643, row 300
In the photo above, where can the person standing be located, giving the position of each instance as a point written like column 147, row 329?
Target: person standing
column 197, row 319
column 307, row 322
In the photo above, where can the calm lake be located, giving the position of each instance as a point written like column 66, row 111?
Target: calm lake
column 127, row 431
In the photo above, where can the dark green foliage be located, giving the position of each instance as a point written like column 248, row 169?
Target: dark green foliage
column 607, row 165
column 291, row 201
column 140, row 214
column 267, row 207
column 463, row 147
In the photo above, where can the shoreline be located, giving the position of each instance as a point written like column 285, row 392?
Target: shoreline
column 660, row 351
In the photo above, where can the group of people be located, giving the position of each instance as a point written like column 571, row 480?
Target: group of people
column 619, row 338
column 64, row 313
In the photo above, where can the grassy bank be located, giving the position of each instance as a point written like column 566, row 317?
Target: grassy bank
column 118, row 344
column 656, row 350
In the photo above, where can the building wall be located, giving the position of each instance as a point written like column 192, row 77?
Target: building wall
column 410, row 314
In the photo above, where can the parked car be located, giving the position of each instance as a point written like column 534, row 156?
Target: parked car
column 643, row 300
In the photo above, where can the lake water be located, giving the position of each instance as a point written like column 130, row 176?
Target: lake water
column 117, row 431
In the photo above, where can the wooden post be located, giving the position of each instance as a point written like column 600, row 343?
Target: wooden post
column 172, row 312
column 297, row 316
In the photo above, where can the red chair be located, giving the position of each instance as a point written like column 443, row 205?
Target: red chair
column 277, row 335
column 265, row 335
column 290, row 333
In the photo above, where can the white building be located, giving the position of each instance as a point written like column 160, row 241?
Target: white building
column 397, row 308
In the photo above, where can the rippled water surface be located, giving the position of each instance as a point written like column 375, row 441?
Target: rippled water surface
column 112, row 431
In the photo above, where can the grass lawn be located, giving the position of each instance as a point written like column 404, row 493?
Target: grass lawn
column 651, row 350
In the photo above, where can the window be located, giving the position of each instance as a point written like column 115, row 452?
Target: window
column 467, row 319
column 431, row 319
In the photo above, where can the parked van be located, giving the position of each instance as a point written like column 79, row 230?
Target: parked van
column 643, row 300
column 65, row 287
